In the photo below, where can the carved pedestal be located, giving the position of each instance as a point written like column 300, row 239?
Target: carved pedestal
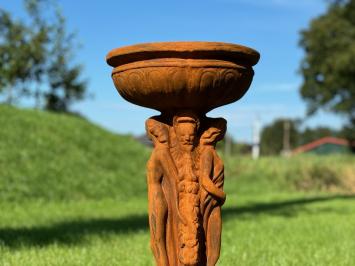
column 185, row 175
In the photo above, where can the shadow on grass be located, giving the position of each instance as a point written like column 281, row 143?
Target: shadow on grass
column 74, row 232
column 71, row 232
column 286, row 208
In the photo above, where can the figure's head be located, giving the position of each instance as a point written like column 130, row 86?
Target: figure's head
column 157, row 131
column 216, row 128
column 186, row 125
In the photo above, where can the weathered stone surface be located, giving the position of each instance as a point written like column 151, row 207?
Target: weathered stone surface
column 182, row 75
column 185, row 175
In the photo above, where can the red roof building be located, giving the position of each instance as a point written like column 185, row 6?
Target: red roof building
column 324, row 145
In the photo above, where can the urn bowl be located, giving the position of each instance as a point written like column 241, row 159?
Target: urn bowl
column 182, row 75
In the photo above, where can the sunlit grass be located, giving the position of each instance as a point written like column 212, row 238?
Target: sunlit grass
column 264, row 229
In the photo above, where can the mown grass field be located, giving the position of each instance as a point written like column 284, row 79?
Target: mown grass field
column 73, row 194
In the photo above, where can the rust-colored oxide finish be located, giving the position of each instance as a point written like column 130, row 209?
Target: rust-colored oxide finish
column 185, row 175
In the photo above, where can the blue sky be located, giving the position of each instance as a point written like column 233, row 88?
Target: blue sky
column 270, row 26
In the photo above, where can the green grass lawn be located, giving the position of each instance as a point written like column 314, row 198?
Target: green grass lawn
column 72, row 193
column 272, row 229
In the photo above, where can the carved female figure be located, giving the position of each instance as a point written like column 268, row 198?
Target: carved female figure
column 161, row 176
column 211, row 179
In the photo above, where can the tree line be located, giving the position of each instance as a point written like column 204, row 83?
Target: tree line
column 288, row 134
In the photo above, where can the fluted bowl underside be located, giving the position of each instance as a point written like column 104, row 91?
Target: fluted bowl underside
column 182, row 75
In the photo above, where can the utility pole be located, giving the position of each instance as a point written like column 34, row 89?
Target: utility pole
column 228, row 145
column 255, row 153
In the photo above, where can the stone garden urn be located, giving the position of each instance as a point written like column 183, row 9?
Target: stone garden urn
column 185, row 175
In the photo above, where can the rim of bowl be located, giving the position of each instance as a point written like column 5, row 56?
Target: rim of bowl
column 184, row 50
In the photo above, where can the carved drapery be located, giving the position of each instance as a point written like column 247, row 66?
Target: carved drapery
column 185, row 188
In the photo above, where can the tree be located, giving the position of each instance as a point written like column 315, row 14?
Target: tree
column 328, row 67
column 14, row 67
column 234, row 148
column 36, row 58
column 348, row 132
column 312, row 134
column 274, row 136
column 39, row 41
column 64, row 78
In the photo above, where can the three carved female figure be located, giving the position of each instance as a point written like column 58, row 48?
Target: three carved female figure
column 185, row 189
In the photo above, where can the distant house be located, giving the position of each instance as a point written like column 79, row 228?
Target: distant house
column 324, row 145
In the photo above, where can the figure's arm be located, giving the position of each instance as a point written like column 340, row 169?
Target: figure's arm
column 218, row 177
column 170, row 169
column 169, row 166
column 158, row 210
column 206, row 172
